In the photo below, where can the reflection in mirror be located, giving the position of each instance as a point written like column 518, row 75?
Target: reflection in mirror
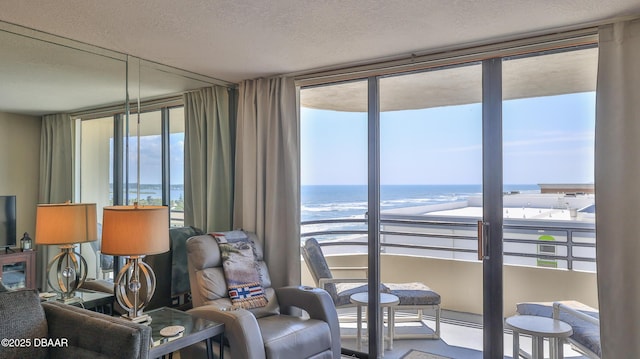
column 159, row 81
column 45, row 74
column 38, row 77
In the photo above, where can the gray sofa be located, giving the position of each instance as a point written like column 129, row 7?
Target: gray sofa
column 55, row 330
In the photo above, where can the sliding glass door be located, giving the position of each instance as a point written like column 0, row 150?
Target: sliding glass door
column 473, row 179
column 334, row 197
column 549, row 213
column 431, row 194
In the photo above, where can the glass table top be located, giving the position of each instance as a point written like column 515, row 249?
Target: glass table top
column 193, row 326
column 82, row 296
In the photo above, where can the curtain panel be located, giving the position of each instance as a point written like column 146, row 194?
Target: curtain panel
column 617, row 174
column 57, row 146
column 56, row 159
column 208, row 151
column 268, row 173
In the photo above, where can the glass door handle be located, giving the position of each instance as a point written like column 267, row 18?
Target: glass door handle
column 483, row 240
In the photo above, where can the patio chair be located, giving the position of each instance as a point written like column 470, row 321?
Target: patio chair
column 413, row 296
column 584, row 320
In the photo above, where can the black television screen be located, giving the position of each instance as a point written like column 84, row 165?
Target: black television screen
column 7, row 221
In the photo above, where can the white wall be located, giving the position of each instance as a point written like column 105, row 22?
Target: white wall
column 19, row 166
column 459, row 283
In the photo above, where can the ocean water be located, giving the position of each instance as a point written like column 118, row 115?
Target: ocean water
column 152, row 191
column 321, row 202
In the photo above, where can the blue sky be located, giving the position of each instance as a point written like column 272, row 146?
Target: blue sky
column 545, row 140
column 151, row 167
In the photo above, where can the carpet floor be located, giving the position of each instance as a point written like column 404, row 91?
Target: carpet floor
column 416, row 354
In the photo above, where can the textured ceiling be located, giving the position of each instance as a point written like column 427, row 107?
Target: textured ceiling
column 242, row 39
column 531, row 76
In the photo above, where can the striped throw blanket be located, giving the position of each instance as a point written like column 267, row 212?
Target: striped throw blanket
column 240, row 270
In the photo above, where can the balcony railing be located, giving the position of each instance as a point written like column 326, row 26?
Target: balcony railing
column 569, row 245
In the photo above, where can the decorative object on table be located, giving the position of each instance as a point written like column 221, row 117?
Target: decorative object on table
column 133, row 232
column 26, row 243
column 171, row 331
column 66, row 225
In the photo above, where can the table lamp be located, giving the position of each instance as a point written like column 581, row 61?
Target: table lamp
column 66, row 225
column 133, row 232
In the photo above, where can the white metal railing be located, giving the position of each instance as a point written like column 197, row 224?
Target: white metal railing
column 569, row 245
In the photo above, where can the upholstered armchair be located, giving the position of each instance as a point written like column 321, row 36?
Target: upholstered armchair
column 272, row 331
column 55, row 330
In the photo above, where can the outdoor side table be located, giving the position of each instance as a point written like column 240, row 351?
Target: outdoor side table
column 386, row 300
column 539, row 328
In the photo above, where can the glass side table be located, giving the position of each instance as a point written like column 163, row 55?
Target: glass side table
column 96, row 301
column 89, row 299
column 196, row 329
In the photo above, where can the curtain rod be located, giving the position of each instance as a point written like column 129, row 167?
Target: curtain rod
column 172, row 100
column 508, row 46
column 120, row 108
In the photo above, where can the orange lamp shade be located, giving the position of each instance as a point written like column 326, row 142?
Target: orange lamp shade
column 66, row 223
column 135, row 230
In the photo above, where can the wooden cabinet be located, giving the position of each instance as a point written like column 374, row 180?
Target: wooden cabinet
column 18, row 269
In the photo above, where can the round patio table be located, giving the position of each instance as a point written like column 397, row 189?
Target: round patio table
column 386, row 300
column 539, row 328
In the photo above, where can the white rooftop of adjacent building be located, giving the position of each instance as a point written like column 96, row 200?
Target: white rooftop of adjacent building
column 548, row 207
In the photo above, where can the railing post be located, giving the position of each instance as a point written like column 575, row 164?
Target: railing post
column 569, row 249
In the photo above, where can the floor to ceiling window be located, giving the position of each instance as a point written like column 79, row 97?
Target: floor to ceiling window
column 430, row 164
column 548, row 144
column 334, row 189
column 439, row 166
column 96, row 184
column 176, row 166
column 161, row 166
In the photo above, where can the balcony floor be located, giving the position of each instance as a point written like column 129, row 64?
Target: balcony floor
column 461, row 337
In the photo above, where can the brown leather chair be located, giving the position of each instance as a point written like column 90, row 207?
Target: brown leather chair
column 268, row 332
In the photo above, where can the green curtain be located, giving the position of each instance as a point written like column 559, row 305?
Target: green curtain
column 208, row 151
column 57, row 147
column 267, row 185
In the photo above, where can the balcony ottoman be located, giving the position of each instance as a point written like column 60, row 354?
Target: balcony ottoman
column 586, row 334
